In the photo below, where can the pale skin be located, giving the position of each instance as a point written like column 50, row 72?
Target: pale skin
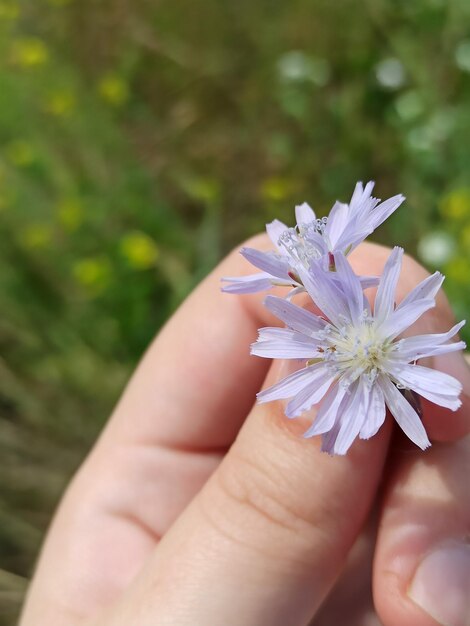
column 197, row 507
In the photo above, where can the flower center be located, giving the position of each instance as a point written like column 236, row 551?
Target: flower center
column 353, row 351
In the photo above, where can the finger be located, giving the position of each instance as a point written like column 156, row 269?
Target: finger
column 351, row 599
column 441, row 424
column 181, row 409
column 268, row 535
column 422, row 563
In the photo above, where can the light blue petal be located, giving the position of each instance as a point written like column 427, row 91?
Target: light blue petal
column 438, row 351
column 294, row 316
column 425, row 290
column 291, row 385
column 383, row 211
column 369, row 281
column 385, row 298
column 404, row 414
column 328, row 439
column 375, row 414
column 361, row 195
column 421, row 346
column 325, row 293
column 269, row 262
column 353, row 236
column 353, row 417
column 337, row 223
column 351, row 286
column 275, row 229
column 365, row 217
column 404, row 317
column 284, row 350
column 328, row 413
column 248, row 284
column 304, row 214
column 310, row 395
column 435, row 386
column 284, row 343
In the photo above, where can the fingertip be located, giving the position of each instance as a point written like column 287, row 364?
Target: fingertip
column 422, row 561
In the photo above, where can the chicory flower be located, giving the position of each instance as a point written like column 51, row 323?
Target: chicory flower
column 314, row 239
column 355, row 363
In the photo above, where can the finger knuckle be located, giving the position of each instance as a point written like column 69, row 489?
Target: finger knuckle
column 255, row 492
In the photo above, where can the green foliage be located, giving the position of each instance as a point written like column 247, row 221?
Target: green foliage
column 140, row 140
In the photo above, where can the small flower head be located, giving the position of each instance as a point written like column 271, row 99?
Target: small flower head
column 314, row 239
column 355, row 364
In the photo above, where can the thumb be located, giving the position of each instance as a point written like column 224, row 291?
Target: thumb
column 266, row 538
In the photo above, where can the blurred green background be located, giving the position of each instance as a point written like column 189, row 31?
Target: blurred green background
column 140, row 140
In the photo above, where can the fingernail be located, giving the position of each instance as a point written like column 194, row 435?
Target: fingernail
column 456, row 365
column 441, row 585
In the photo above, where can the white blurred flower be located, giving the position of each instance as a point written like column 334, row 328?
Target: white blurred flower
column 409, row 105
column 436, row 248
column 462, row 55
column 438, row 129
column 390, row 73
column 298, row 66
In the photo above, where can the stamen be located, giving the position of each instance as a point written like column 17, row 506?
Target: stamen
column 297, row 247
column 356, row 350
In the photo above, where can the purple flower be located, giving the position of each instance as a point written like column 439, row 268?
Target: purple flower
column 355, row 364
column 314, row 239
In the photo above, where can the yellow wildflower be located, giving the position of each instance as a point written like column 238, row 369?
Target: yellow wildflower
column 114, row 90
column 29, row 52
column 140, row 251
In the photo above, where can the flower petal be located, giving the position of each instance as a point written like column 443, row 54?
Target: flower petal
column 294, row 316
column 291, row 385
column 369, row 281
column 310, row 395
column 304, row 214
column 284, row 350
column 249, row 284
column 383, row 211
column 421, row 346
column 360, row 195
column 353, row 417
column 325, row 293
column 275, row 230
column 438, row 350
column 284, row 343
column 403, row 317
column 404, row 414
column 269, row 262
column 365, row 217
column 351, row 287
column 385, row 298
column 328, row 439
column 425, row 290
column 328, row 413
column 435, row 386
column 337, row 223
column 375, row 414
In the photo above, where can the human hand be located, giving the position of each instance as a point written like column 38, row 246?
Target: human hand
column 197, row 508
